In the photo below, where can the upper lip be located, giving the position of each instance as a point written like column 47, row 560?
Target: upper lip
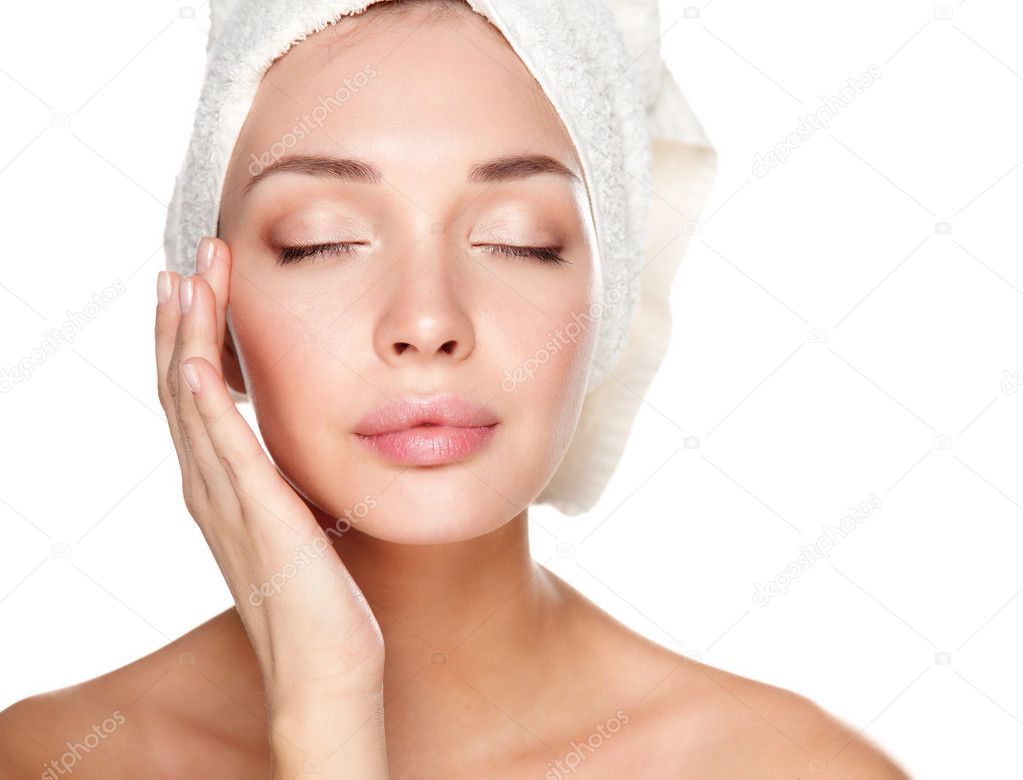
column 411, row 411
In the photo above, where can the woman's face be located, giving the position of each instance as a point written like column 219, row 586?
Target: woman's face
column 421, row 301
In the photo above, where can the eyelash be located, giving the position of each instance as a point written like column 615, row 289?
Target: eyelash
column 293, row 254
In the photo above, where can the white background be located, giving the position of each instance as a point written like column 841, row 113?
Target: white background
column 912, row 395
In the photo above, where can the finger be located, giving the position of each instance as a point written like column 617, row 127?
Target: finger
column 232, row 439
column 213, row 263
column 253, row 479
column 168, row 315
column 195, row 338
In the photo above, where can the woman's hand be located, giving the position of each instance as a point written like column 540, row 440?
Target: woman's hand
column 317, row 642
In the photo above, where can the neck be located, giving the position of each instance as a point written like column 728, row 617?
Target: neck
column 463, row 604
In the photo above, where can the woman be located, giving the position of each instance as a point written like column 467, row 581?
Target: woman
column 386, row 276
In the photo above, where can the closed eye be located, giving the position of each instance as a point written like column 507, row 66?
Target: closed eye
column 548, row 254
column 293, row 254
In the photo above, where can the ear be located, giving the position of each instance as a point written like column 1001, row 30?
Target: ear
column 231, row 365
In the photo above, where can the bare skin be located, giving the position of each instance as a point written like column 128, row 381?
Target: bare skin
column 206, row 717
column 494, row 666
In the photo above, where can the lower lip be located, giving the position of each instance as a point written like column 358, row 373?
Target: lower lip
column 429, row 445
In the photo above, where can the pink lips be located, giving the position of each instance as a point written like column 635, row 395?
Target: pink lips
column 425, row 431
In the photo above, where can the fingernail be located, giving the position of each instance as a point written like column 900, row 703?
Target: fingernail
column 205, row 256
column 163, row 287
column 185, row 293
column 191, row 376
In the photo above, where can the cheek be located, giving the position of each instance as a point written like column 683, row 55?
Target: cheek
column 544, row 372
column 294, row 362
column 284, row 343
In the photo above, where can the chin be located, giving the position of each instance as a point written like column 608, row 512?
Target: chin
column 435, row 522
column 420, row 507
column 438, row 504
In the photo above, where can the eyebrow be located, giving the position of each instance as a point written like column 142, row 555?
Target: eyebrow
column 508, row 168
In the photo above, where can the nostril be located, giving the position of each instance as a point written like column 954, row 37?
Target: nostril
column 447, row 347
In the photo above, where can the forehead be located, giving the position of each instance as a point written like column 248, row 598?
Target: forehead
column 407, row 92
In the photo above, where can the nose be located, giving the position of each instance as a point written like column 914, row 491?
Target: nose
column 423, row 318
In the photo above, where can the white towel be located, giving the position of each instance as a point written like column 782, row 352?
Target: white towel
column 647, row 163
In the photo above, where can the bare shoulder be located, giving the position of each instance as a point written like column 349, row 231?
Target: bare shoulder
column 137, row 720
column 756, row 729
column 689, row 719
column 73, row 729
